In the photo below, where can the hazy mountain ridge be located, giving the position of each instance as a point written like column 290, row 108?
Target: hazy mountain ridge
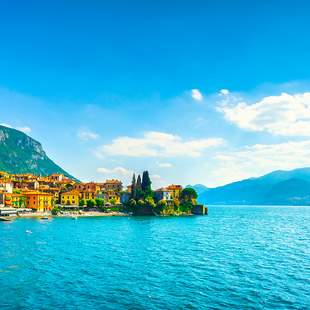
column 199, row 188
column 275, row 188
column 19, row 153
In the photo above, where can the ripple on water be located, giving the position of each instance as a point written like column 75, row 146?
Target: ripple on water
column 237, row 257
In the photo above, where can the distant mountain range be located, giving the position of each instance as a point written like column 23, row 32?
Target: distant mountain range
column 275, row 188
column 20, row 153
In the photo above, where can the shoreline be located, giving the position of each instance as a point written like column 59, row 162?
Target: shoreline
column 48, row 215
column 41, row 215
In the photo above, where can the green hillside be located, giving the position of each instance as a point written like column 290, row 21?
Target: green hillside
column 20, row 153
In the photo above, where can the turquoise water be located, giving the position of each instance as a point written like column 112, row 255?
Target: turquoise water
column 234, row 258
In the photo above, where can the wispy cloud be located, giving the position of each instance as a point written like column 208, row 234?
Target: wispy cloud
column 164, row 165
column 118, row 171
column 86, row 135
column 258, row 159
column 157, row 144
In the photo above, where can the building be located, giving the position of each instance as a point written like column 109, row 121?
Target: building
column 26, row 184
column 113, row 196
column 70, row 198
column 91, row 186
column 14, row 200
column 56, row 177
column 162, row 194
column 2, row 197
column 88, row 194
column 6, row 187
column 175, row 191
column 102, row 195
column 39, row 201
column 125, row 197
column 113, row 185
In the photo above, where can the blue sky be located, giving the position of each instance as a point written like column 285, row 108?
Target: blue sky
column 194, row 91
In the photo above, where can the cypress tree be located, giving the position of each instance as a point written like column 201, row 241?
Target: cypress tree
column 133, row 187
column 139, row 185
column 139, row 193
column 146, row 183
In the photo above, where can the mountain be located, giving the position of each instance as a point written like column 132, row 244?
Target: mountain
column 20, row 153
column 275, row 188
column 199, row 188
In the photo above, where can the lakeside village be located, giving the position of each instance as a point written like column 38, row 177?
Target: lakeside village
column 28, row 195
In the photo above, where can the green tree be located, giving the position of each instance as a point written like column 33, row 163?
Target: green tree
column 133, row 187
column 55, row 210
column 131, row 205
column 82, row 202
column 149, row 202
column 22, row 202
column 146, row 183
column 99, row 202
column 141, row 203
column 112, row 201
column 176, row 204
column 139, row 183
column 186, row 206
column 139, row 193
column 188, row 194
column 91, row 203
column 161, row 205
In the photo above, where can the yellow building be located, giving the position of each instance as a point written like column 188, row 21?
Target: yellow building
column 70, row 198
column 39, row 201
column 175, row 191
column 113, row 196
column 88, row 194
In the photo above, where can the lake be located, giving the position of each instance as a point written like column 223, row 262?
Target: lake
column 236, row 257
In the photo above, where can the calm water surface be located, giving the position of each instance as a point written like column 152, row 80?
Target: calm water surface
column 235, row 258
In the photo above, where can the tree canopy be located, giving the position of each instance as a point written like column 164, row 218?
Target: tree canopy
column 188, row 194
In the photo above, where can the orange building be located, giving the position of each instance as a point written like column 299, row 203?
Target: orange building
column 91, row 186
column 39, row 201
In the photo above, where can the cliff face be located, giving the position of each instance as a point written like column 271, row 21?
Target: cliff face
column 20, row 153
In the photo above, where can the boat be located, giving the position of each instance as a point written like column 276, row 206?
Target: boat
column 45, row 218
column 5, row 219
column 74, row 217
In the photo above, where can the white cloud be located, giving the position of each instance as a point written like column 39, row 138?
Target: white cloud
column 157, row 181
column 164, row 165
column 117, row 171
column 224, row 92
column 24, row 129
column 285, row 115
column 157, row 144
column 86, row 135
column 259, row 159
column 196, row 95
